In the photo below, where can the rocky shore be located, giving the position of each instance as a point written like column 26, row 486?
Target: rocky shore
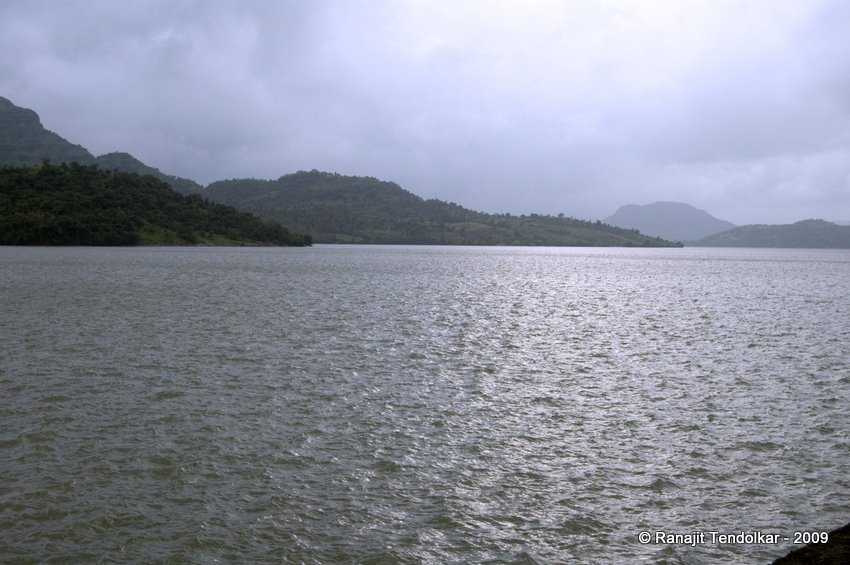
column 835, row 552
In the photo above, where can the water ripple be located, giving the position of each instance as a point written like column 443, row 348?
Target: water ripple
column 418, row 405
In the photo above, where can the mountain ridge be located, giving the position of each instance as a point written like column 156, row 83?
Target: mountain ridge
column 804, row 234
column 336, row 208
column 24, row 141
column 126, row 163
column 677, row 221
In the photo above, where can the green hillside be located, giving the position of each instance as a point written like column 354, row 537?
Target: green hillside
column 811, row 234
column 346, row 209
column 25, row 142
column 126, row 163
column 330, row 207
column 84, row 205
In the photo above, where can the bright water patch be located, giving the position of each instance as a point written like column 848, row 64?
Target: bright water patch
column 418, row 404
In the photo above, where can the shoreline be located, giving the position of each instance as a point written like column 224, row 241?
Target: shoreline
column 835, row 552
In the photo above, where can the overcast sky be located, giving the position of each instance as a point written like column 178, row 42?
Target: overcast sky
column 740, row 108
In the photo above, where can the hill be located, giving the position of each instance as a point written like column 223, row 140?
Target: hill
column 334, row 208
column 804, row 234
column 126, row 163
column 346, row 209
column 676, row 221
column 25, row 142
column 84, row 205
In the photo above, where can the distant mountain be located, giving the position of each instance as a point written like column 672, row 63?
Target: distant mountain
column 675, row 221
column 24, row 141
column 345, row 209
column 331, row 207
column 803, row 234
column 84, row 205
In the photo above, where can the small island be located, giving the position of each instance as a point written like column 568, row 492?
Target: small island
column 73, row 204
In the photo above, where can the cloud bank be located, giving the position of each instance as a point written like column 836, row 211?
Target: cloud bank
column 741, row 108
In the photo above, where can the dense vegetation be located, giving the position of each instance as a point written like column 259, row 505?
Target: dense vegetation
column 126, row 163
column 344, row 209
column 811, row 234
column 25, row 142
column 83, row 205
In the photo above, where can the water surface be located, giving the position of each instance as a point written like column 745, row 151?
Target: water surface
column 376, row 404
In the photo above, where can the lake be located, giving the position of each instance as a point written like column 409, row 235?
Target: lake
column 394, row 404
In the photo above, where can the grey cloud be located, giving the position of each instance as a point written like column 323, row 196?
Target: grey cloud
column 739, row 108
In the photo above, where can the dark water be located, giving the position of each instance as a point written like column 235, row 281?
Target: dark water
column 419, row 404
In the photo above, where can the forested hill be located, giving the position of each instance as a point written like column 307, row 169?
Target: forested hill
column 84, row 205
column 345, row 209
column 126, row 163
column 812, row 234
column 25, row 142
column 331, row 207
